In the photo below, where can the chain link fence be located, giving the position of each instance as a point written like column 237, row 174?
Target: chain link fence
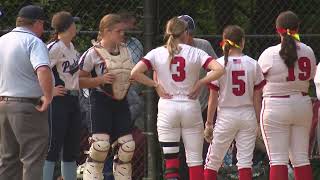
column 257, row 17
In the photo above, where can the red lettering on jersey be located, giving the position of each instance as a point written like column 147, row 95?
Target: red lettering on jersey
column 304, row 65
column 181, row 73
column 241, row 89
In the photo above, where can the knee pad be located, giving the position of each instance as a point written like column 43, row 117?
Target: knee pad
column 126, row 149
column 122, row 167
column 122, row 171
column 93, row 170
column 99, row 147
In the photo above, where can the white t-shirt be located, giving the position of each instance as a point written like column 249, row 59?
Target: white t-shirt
column 284, row 81
column 184, row 72
column 64, row 63
column 243, row 75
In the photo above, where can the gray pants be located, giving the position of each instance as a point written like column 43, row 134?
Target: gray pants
column 24, row 141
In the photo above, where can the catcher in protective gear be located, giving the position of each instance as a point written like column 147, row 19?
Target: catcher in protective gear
column 108, row 61
column 120, row 66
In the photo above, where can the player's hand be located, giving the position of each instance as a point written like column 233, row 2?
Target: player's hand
column 258, row 132
column 162, row 93
column 59, row 90
column 132, row 81
column 107, row 78
column 208, row 132
column 43, row 103
column 194, row 93
column 259, row 141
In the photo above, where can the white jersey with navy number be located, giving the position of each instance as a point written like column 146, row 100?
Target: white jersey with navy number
column 179, row 77
column 243, row 75
column 64, row 63
column 286, row 81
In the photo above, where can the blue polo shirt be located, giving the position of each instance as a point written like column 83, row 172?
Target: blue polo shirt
column 21, row 53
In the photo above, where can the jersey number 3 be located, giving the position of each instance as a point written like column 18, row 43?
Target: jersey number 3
column 241, row 89
column 304, row 66
column 181, row 73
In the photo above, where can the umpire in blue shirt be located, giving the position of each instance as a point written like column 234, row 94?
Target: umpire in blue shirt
column 25, row 94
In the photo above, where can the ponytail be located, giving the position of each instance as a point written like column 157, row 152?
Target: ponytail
column 287, row 24
column 53, row 37
column 173, row 47
column 99, row 37
column 226, row 49
column 175, row 27
column 288, row 51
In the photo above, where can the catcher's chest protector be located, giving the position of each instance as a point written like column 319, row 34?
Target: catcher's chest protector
column 120, row 66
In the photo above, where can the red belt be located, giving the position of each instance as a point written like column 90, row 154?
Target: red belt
column 287, row 96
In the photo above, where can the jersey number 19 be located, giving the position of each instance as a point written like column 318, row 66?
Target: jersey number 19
column 304, row 66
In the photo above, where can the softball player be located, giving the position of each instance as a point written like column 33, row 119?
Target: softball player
column 286, row 113
column 110, row 117
column 64, row 116
column 177, row 66
column 239, row 104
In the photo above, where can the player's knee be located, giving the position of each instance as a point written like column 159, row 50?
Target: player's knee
column 244, row 164
column 299, row 160
column 195, row 162
column 99, row 147
column 126, row 148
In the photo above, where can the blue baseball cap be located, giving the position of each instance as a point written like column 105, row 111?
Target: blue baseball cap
column 188, row 19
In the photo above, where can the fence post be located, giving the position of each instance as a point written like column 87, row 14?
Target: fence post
column 150, row 118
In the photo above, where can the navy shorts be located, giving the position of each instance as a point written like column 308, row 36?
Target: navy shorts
column 109, row 115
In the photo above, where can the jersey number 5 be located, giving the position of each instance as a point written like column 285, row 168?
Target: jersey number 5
column 241, row 89
column 181, row 73
column 304, row 66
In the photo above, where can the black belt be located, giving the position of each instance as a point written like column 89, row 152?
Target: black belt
column 72, row 92
column 34, row 101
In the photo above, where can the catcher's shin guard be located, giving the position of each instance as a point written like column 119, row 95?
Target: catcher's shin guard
column 97, row 154
column 171, row 158
column 122, row 167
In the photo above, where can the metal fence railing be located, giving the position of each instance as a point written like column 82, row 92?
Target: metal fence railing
column 210, row 16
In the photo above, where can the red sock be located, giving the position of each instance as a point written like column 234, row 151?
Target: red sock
column 245, row 174
column 172, row 168
column 278, row 172
column 303, row 173
column 196, row 173
column 210, row 174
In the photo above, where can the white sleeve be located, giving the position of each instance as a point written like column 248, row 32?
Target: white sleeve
column 214, row 85
column 313, row 64
column 54, row 55
column 265, row 62
column 149, row 59
column 204, row 58
column 259, row 78
column 39, row 55
column 317, row 81
column 86, row 62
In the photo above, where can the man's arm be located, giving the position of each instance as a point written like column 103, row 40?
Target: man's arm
column 46, row 84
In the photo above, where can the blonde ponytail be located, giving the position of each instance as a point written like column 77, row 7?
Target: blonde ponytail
column 174, row 29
